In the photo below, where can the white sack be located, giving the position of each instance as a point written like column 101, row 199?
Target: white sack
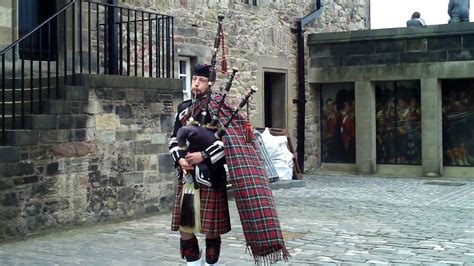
column 281, row 157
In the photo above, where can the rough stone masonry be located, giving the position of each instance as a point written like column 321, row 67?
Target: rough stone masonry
column 104, row 156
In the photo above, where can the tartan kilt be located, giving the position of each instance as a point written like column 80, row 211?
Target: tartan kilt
column 215, row 219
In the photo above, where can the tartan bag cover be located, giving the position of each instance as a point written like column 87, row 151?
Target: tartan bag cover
column 253, row 196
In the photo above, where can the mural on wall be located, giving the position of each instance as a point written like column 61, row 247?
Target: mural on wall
column 338, row 123
column 458, row 122
column 398, row 128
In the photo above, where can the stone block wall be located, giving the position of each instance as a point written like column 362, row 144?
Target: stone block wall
column 107, row 160
column 442, row 43
column 6, row 23
column 253, row 32
column 428, row 54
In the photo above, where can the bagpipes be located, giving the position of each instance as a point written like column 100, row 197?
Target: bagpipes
column 221, row 131
column 195, row 133
column 218, row 40
column 196, row 136
column 190, row 196
column 199, row 138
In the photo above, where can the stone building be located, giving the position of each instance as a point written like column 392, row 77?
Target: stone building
column 260, row 41
column 88, row 99
column 393, row 101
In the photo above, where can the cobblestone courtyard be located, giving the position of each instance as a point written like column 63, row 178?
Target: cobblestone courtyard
column 332, row 220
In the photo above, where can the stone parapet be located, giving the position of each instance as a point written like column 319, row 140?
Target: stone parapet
column 439, row 43
column 430, row 55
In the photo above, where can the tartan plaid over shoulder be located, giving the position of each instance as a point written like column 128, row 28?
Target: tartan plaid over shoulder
column 253, row 196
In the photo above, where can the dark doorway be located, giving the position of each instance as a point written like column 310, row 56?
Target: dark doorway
column 43, row 44
column 275, row 99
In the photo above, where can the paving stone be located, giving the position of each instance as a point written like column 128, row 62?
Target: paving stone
column 332, row 220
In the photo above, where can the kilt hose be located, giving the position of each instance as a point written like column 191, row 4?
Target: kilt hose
column 215, row 217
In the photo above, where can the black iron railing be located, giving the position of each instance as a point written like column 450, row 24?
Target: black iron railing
column 82, row 37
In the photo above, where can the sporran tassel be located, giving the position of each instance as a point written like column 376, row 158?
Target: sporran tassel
column 190, row 208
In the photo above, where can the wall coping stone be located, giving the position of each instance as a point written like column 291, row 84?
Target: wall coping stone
column 392, row 33
column 116, row 81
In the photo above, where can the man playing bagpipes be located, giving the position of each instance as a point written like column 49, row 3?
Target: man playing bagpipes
column 201, row 204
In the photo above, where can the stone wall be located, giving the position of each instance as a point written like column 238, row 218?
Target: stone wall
column 444, row 43
column 255, row 32
column 104, row 156
column 6, row 23
column 251, row 33
column 107, row 158
column 429, row 55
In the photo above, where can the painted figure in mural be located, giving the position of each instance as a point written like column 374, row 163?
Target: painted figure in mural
column 458, row 10
column 332, row 131
column 348, row 129
column 404, row 128
column 414, row 141
column 416, row 20
column 206, row 211
column 458, row 116
column 386, row 126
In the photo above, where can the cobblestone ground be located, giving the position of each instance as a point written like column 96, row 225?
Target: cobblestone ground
column 332, row 220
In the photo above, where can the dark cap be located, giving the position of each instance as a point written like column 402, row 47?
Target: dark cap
column 201, row 70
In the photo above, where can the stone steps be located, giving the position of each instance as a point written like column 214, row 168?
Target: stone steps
column 10, row 154
column 20, row 137
column 34, row 124
column 49, row 107
column 62, row 92
column 55, row 115
column 65, row 93
column 29, row 94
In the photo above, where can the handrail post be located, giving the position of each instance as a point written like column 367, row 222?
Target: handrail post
column 3, row 99
column 112, row 38
column 73, row 48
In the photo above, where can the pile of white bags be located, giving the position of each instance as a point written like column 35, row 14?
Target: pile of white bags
column 281, row 157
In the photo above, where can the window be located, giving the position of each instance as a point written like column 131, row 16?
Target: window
column 252, row 2
column 185, row 76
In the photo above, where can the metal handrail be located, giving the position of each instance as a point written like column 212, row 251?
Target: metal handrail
column 125, row 8
column 112, row 46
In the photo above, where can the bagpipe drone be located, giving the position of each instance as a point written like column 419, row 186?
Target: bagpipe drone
column 198, row 135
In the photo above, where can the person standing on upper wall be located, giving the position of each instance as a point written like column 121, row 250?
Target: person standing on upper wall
column 458, row 11
column 416, row 20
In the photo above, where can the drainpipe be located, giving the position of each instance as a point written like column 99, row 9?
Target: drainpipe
column 300, row 64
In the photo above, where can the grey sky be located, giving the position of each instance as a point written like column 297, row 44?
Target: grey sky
column 395, row 13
